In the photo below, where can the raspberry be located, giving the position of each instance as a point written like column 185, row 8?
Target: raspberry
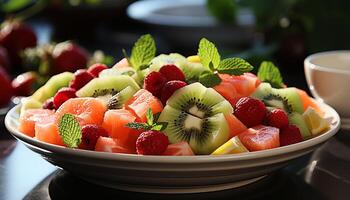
column 81, row 78
column 290, row 134
column 90, row 134
column 48, row 104
column 172, row 72
column 154, row 83
column 63, row 95
column 169, row 88
column 277, row 118
column 95, row 69
column 151, row 143
column 250, row 111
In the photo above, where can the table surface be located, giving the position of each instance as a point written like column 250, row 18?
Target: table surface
column 322, row 175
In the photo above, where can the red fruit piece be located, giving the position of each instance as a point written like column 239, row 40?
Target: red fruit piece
column 68, row 56
column 290, row 135
column 4, row 59
column 81, row 78
column 172, row 72
column 95, row 69
column 90, row 134
column 250, row 111
column 151, row 143
column 260, row 138
column 23, row 84
column 154, row 83
column 5, row 88
column 48, row 104
column 63, row 95
column 169, row 88
column 277, row 118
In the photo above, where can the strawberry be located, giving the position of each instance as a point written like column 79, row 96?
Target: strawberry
column 172, row 72
column 4, row 59
column 15, row 36
column 290, row 134
column 68, row 56
column 151, row 143
column 250, row 111
column 169, row 88
column 95, row 69
column 23, row 84
column 63, row 95
column 90, row 134
column 5, row 88
column 277, row 118
column 154, row 83
column 48, row 104
column 81, row 78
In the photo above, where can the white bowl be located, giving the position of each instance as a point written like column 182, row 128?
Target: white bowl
column 171, row 174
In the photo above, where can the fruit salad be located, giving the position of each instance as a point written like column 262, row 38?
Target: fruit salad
column 171, row 105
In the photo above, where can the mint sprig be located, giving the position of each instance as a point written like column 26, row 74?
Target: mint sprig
column 143, row 51
column 70, row 130
column 210, row 58
column 151, row 123
column 268, row 72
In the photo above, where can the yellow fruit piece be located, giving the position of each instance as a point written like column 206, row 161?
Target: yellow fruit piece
column 194, row 59
column 233, row 146
column 315, row 122
column 29, row 103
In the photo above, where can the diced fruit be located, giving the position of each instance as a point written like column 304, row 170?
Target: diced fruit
column 236, row 127
column 81, row 78
column 46, row 130
column 23, row 84
column 5, row 88
column 68, row 56
column 90, row 134
column 172, row 72
column 154, row 83
column 178, row 149
column 106, row 144
column 118, row 100
column 151, row 143
column 115, row 123
column 30, row 117
column 277, row 118
column 122, row 63
column 315, row 122
column 51, row 87
column 141, row 101
column 233, row 146
column 298, row 120
column 260, row 138
column 290, row 135
column 250, row 111
column 86, row 110
column 29, row 103
column 95, row 69
column 48, row 104
column 63, row 95
column 194, row 59
column 309, row 102
column 169, row 88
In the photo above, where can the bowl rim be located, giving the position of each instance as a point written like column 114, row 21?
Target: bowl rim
column 335, row 125
column 308, row 62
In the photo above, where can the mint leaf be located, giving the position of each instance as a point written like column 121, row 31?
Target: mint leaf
column 209, row 79
column 70, row 130
column 149, row 116
column 234, row 66
column 138, row 126
column 162, row 124
column 270, row 73
column 143, row 51
column 208, row 54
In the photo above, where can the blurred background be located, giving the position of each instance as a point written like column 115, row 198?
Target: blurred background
column 49, row 36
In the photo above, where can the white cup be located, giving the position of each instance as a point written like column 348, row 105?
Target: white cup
column 328, row 77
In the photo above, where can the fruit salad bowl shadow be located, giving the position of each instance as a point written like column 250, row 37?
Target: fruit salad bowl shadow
column 171, row 174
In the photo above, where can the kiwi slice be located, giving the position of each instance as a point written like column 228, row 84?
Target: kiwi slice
column 287, row 99
column 117, row 101
column 195, row 114
column 137, row 76
column 298, row 120
column 51, row 87
column 109, row 85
